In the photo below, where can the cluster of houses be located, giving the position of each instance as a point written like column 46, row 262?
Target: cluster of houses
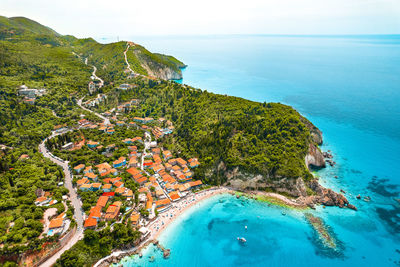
column 171, row 181
column 30, row 95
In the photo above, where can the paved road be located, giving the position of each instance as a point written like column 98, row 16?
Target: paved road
column 106, row 120
column 95, row 76
column 75, row 201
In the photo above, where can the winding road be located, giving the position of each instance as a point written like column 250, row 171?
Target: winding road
column 75, row 201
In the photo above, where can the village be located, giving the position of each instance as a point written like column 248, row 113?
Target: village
column 162, row 180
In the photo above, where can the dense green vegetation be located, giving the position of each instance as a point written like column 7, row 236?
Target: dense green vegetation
column 96, row 245
column 270, row 139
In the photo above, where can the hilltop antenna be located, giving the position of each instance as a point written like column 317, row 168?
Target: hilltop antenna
column 117, row 38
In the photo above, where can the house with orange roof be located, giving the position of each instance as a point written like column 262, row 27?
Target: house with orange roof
column 156, row 151
column 86, row 187
column 118, row 184
column 176, row 168
column 193, row 163
column 102, row 201
column 107, row 187
column 91, row 176
column 128, row 141
column 147, row 164
column 135, row 217
column 133, row 171
column 195, row 184
column 95, row 212
column 56, row 224
column 119, row 162
column 82, row 181
column 141, row 180
column 113, row 210
column 103, row 167
column 181, row 162
column 120, row 123
column 162, row 203
column 157, row 168
column 132, row 148
column 92, row 144
column 143, row 190
column 96, row 186
column 79, row 168
column 168, row 166
column 128, row 194
column 188, row 175
column 90, row 223
column 114, row 180
column 41, row 201
column 173, row 162
column 152, row 179
column 88, row 169
column 157, row 159
column 167, row 154
column 174, row 195
column 120, row 190
column 133, row 162
column 149, row 203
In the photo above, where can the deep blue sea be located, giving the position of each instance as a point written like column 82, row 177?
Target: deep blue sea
column 349, row 87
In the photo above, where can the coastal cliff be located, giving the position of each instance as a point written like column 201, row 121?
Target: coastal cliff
column 306, row 192
column 157, row 65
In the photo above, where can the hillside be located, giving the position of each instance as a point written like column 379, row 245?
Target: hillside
column 239, row 143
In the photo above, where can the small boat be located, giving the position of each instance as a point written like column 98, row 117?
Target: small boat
column 283, row 213
column 358, row 196
column 242, row 239
column 152, row 259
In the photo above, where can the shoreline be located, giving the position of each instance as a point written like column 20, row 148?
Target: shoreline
column 165, row 219
column 169, row 216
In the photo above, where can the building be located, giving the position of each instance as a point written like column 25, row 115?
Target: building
column 113, row 211
column 92, row 144
column 125, row 86
column 102, row 201
column 119, row 162
column 90, row 223
column 135, row 218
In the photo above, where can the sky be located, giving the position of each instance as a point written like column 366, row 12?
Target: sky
column 99, row 18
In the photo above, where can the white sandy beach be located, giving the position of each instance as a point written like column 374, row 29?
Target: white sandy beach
column 165, row 218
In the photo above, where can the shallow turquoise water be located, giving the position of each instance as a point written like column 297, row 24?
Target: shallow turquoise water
column 349, row 87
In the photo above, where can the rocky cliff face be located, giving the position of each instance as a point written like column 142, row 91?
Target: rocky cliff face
column 315, row 158
column 163, row 72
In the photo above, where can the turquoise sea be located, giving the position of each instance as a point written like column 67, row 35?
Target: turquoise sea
column 349, row 87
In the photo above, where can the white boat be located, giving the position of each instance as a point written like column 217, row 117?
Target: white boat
column 242, row 239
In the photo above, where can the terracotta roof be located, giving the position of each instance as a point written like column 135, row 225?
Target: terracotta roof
column 95, row 212
column 56, row 223
column 90, row 222
column 120, row 190
column 108, row 194
column 163, row 202
column 132, row 171
column 107, row 186
column 91, row 175
column 102, row 201
column 80, row 166
column 195, row 183
column 41, row 199
column 174, row 195
column 135, row 217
